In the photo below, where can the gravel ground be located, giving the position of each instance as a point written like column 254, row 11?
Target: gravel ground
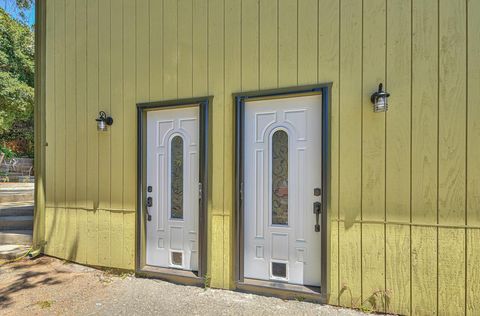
column 47, row 286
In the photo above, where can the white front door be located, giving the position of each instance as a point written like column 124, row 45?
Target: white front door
column 172, row 188
column 282, row 183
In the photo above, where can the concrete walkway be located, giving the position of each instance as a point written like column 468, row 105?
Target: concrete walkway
column 10, row 252
column 16, row 219
column 47, row 286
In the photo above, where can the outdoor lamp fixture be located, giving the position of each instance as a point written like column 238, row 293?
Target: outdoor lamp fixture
column 103, row 121
column 380, row 100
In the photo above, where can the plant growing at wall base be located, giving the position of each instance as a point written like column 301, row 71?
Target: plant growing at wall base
column 346, row 289
column 206, row 281
column 378, row 301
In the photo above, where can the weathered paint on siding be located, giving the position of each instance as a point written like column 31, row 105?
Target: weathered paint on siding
column 404, row 187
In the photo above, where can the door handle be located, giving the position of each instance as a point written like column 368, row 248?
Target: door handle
column 317, row 209
column 148, row 204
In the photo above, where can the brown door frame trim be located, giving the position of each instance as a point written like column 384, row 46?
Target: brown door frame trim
column 268, row 287
column 170, row 274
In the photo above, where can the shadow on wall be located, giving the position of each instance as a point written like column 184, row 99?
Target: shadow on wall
column 350, row 217
column 72, row 246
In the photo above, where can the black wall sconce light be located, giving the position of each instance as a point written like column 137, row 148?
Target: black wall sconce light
column 380, row 100
column 103, row 121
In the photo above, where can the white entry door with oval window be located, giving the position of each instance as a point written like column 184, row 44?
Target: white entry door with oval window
column 172, row 188
column 282, row 188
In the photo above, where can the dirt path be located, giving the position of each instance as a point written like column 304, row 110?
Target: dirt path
column 47, row 286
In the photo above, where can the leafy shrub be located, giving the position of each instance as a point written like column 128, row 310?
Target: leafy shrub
column 8, row 152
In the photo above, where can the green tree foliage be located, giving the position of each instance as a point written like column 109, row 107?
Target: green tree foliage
column 24, row 4
column 17, row 6
column 16, row 78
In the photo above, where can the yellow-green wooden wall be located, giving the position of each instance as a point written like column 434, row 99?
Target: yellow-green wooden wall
column 404, row 186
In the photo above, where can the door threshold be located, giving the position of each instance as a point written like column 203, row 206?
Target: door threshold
column 171, row 275
column 282, row 290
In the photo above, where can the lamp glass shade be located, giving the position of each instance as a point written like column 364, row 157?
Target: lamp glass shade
column 381, row 104
column 101, row 125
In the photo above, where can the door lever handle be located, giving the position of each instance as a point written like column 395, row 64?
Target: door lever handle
column 148, row 204
column 317, row 209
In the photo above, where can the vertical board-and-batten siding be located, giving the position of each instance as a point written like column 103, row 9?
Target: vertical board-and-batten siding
column 404, row 185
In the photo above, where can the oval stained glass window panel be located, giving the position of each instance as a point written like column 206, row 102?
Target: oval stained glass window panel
column 176, row 178
column 280, row 178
